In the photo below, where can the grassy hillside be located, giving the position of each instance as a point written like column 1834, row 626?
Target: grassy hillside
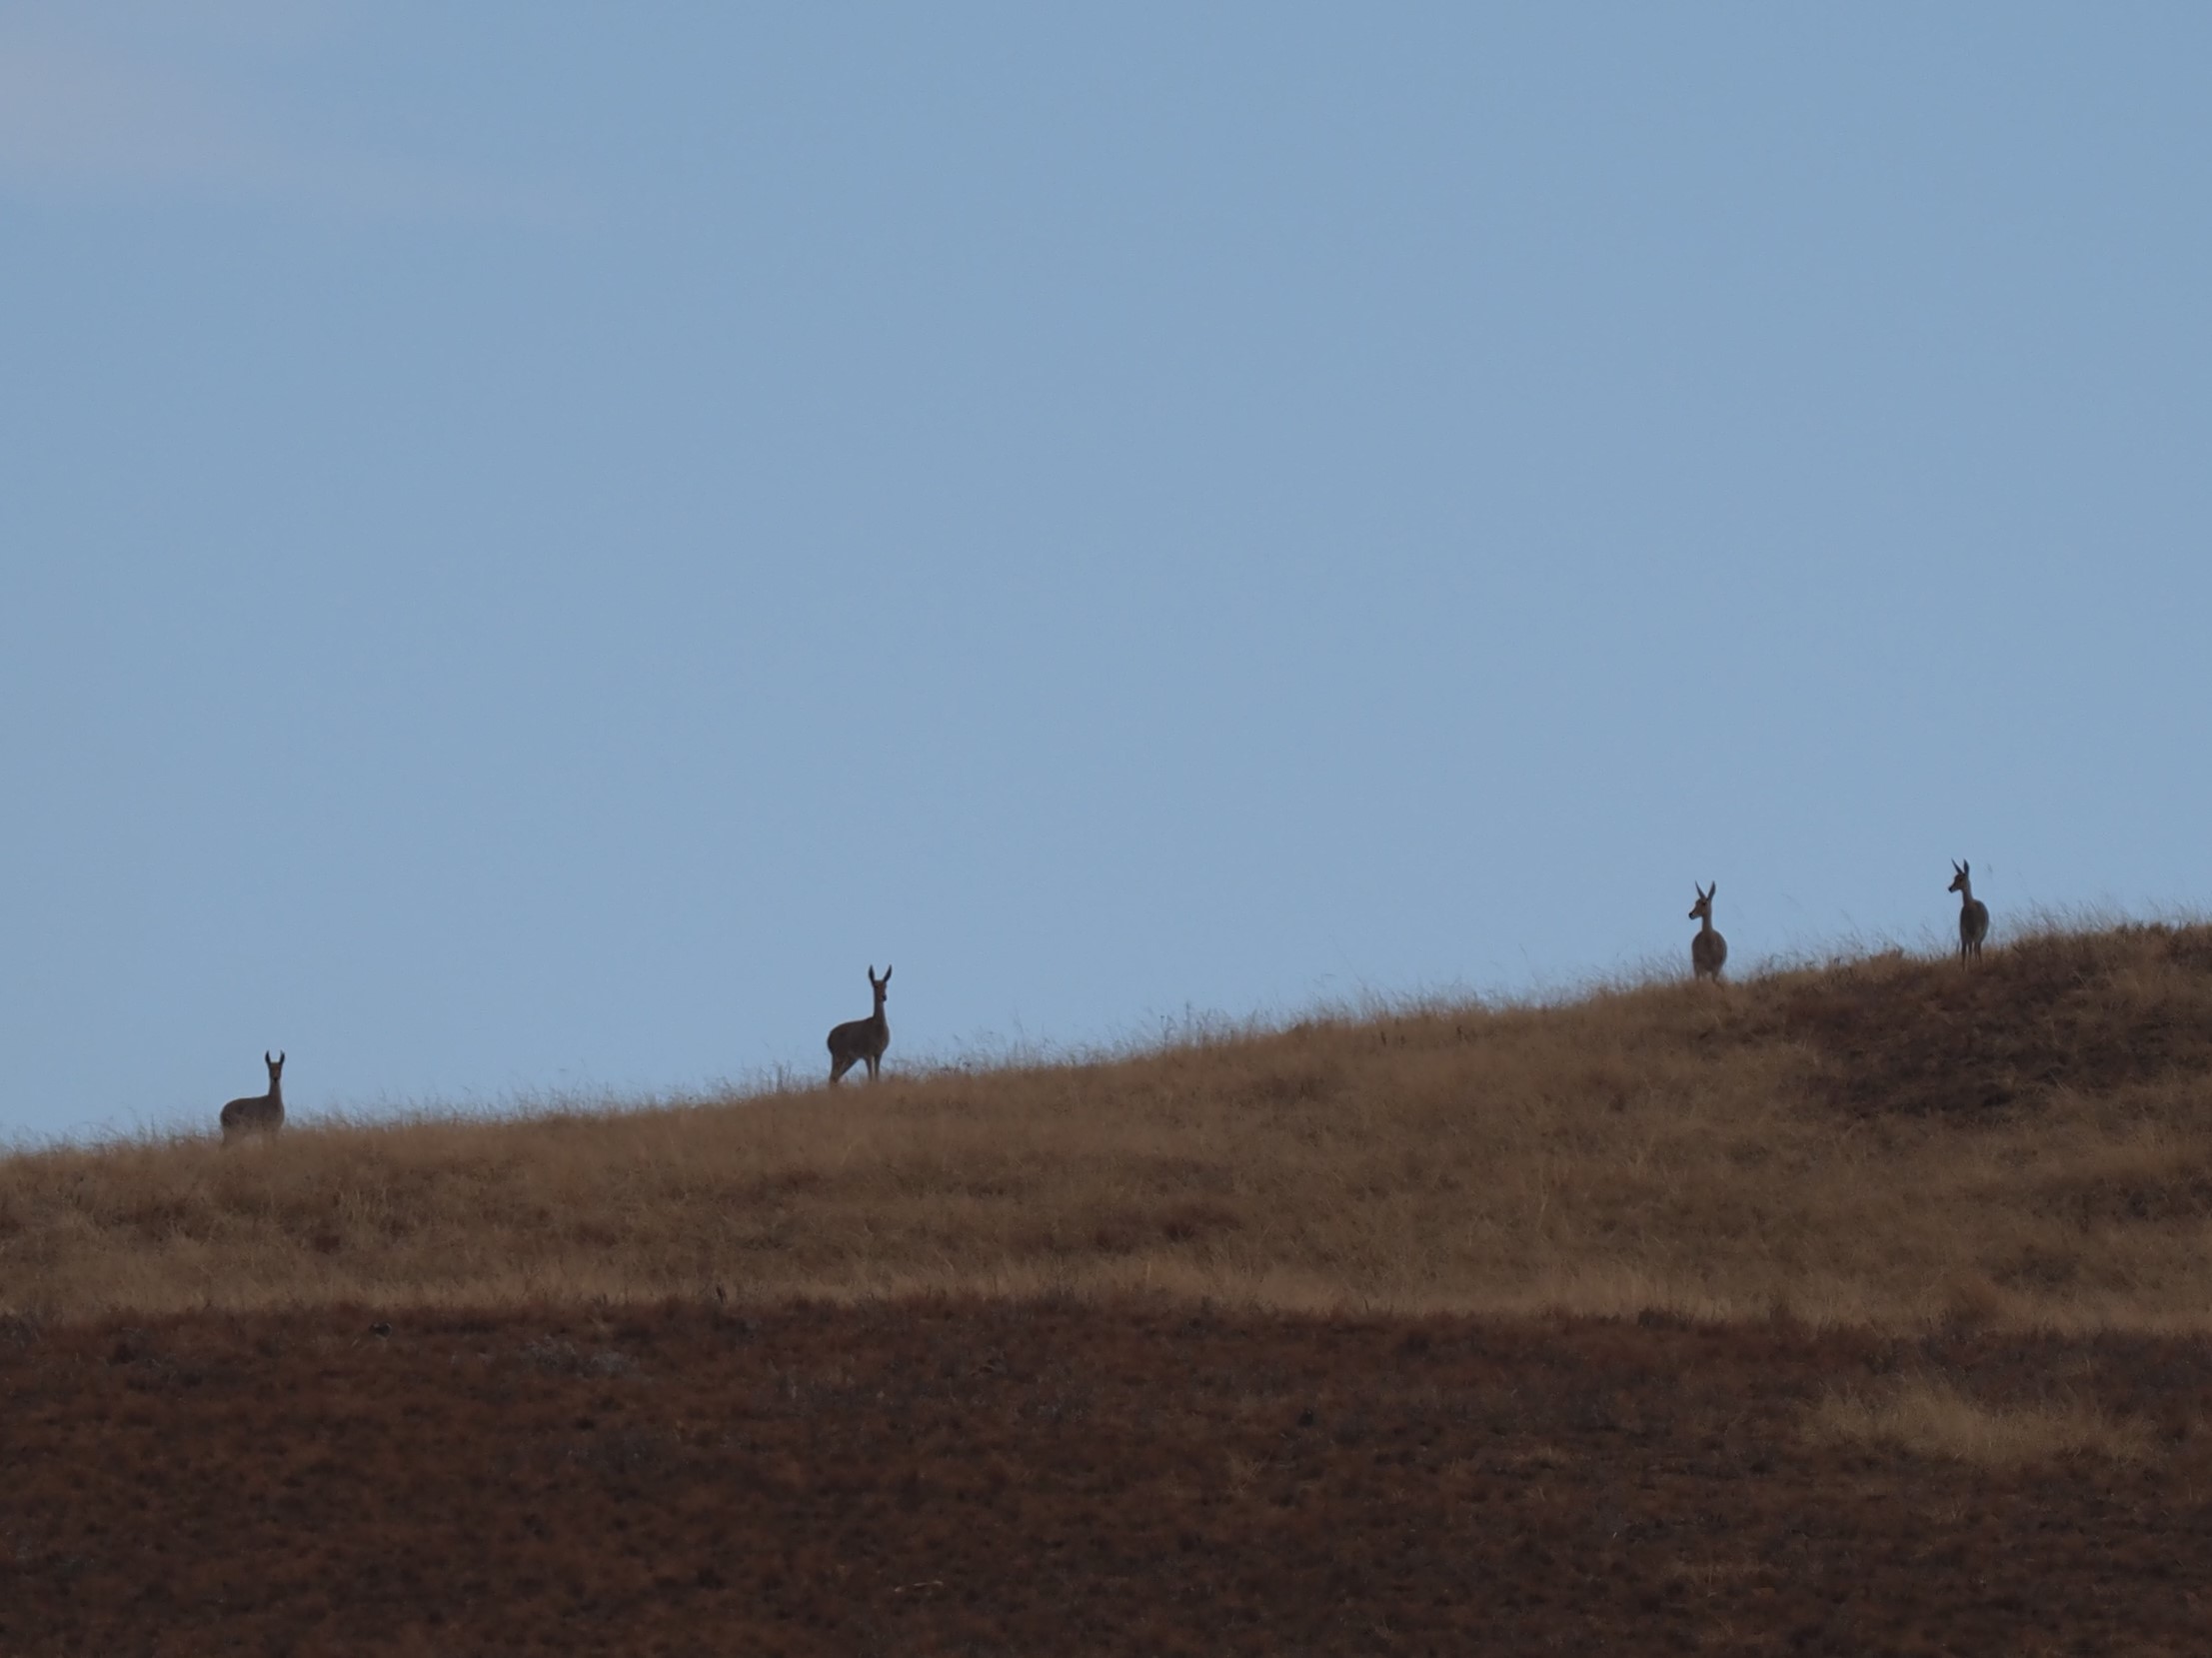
column 1890, row 1142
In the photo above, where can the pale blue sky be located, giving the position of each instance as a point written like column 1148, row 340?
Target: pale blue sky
column 536, row 543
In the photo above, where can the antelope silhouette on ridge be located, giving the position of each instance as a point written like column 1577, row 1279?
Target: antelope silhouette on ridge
column 260, row 1113
column 858, row 1040
column 1709, row 951
column 1973, row 914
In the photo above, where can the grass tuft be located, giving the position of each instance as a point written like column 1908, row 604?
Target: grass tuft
column 1930, row 1416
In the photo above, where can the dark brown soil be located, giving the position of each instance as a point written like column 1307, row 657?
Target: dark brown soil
column 1936, row 1038
column 1048, row 1479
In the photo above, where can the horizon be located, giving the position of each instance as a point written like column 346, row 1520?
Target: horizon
column 1194, row 1027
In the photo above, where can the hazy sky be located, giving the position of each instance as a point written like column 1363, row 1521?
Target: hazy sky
column 537, row 543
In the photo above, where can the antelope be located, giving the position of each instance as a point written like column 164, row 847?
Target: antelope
column 1709, row 951
column 858, row 1040
column 260, row 1113
column 1973, row 914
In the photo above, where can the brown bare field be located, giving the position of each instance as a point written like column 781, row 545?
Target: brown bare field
column 1094, row 1476
column 1889, row 1142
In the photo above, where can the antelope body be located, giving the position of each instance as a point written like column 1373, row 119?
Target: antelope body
column 1973, row 914
column 1709, row 951
column 260, row 1113
column 858, row 1040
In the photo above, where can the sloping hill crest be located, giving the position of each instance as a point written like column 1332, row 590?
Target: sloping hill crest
column 1885, row 1141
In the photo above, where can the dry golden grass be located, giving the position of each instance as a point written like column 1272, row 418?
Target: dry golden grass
column 1930, row 1416
column 1888, row 1142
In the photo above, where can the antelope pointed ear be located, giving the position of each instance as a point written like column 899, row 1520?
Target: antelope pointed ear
column 265, row 1060
column 887, row 972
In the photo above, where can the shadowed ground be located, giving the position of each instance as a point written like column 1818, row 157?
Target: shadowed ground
column 984, row 1478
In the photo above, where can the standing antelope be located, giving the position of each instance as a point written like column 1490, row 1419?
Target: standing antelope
column 858, row 1040
column 1973, row 914
column 260, row 1113
column 1709, row 951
